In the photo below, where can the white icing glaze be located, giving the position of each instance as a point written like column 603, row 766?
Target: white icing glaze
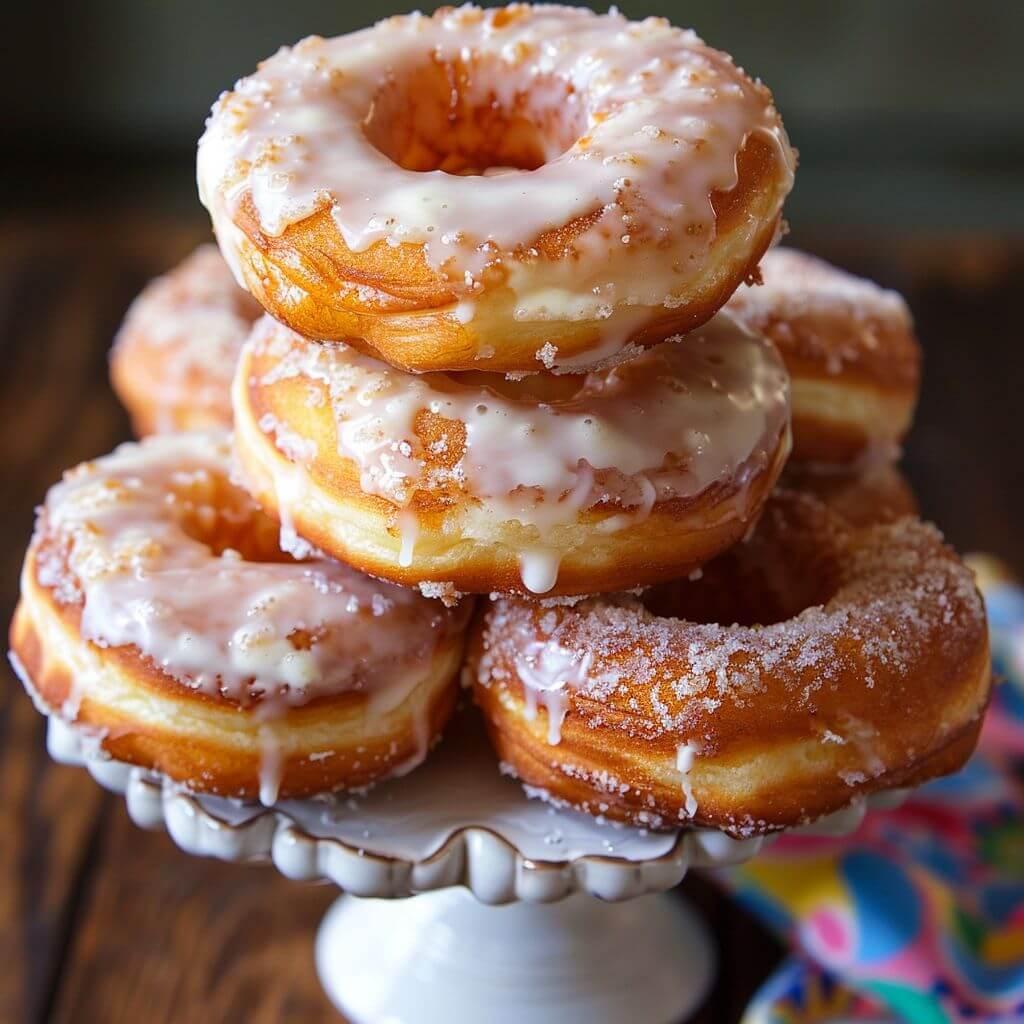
column 409, row 527
column 291, row 484
column 547, row 671
column 634, row 124
column 796, row 282
column 685, row 756
column 538, row 568
column 814, row 310
column 271, row 767
column 123, row 537
column 674, row 421
column 199, row 318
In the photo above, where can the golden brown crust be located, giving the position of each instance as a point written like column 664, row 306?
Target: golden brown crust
column 159, row 614
column 174, row 356
column 455, row 542
column 838, row 420
column 591, row 782
column 863, row 496
column 850, row 348
column 144, row 717
column 388, row 301
column 881, row 681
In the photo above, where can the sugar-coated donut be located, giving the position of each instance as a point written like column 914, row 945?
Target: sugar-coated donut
column 160, row 616
column 850, row 348
column 862, row 495
column 550, row 484
column 502, row 189
column 174, row 357
column 869, row 669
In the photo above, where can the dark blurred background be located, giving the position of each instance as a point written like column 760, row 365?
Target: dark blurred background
column 907, row 114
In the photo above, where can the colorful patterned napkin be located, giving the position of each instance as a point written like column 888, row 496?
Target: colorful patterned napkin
column 919, row 915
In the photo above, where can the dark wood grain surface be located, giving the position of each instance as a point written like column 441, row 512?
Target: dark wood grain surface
column 100, row 922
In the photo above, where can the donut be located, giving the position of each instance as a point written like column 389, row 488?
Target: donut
column 503, row 190
column 858, row 661
column 851, row 352
column 159, row 615
column 174, row 356
column 550, row 484
column 862, row 496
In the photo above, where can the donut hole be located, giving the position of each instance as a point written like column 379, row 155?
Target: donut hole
column 468, row 116
column 759, row 584
column 216, row 513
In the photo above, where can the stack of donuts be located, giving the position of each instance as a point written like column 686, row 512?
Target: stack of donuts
column 520, row 393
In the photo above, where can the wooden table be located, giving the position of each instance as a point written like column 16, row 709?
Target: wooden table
column 102, row 922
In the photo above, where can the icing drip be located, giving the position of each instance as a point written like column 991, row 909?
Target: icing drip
column 626, row 127
column 538, row 569
column 140, row 541
column 674, row 421
column 685, row 756
column 291, row 484
column 409, row 529
column 547, row 671
column 271, row 767
column 421, row 735
column 556, row 704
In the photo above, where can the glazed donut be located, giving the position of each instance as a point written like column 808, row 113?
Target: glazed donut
column 505, row 190
column 548, row 484
column 869, row 670
column 160, row 616
column 851, row 352
column 173, row 359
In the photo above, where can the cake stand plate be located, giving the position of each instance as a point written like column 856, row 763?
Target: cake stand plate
column 502, row 924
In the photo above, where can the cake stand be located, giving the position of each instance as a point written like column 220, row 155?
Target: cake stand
column 516, row 911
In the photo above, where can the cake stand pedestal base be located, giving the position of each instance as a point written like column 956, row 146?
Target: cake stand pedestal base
column 453, row 839
column 443, row 956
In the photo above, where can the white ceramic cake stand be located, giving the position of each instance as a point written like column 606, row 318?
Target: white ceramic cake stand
column 459, row 839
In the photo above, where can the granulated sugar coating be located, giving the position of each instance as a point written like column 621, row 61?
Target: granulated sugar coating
column 175, row 354
column 810, row 665
column 896, row 609
column 822, row 315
